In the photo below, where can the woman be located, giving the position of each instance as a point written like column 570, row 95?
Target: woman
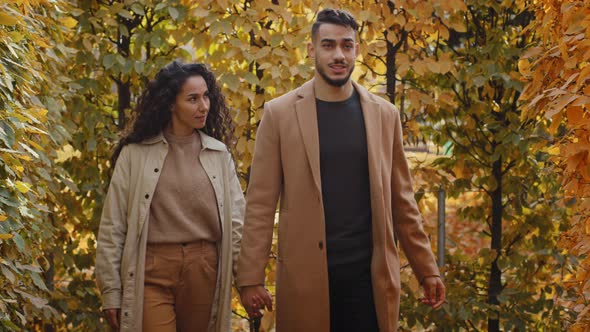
column 172, row 219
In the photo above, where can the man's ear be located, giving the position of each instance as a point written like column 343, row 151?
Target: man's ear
column 310, row 50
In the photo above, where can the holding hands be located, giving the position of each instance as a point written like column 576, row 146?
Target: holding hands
column 254, row 299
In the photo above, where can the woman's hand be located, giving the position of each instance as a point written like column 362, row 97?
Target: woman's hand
column 113, row 317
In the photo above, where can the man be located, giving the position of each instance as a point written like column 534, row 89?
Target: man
column 333, row 153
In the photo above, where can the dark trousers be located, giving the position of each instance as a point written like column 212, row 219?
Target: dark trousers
column 352, row 308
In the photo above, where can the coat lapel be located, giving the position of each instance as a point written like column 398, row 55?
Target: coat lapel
column 307, row 119
column 372, row 117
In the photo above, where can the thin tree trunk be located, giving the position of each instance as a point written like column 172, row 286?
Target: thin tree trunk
column 495, row 282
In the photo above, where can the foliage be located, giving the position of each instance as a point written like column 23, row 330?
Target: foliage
column 557, row 73
column 513, row 284
column 32, row 87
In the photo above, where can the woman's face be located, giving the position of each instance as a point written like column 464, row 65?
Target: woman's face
column 191, row 107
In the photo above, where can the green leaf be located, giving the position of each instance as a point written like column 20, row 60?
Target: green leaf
column 138, row 9
column 160, row 6
column 8, row 274
column 120, row 59
column 479, row 81
column 251, row 78
column 173, row 12
column 126, row 14
column 7, row 134
column 38, row 281
column 36, row 301
column 108, row 61
column 19, row 241
column 139, row 65
column 232, row 81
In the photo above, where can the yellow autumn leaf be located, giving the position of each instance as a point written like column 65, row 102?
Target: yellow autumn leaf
column 69, row 22
column 524, row 66
column 458, row 26
column 23, row 187
column 15, row 36
column 3, row 217
column 554, row 150
column 5, row 236
column 8, row 20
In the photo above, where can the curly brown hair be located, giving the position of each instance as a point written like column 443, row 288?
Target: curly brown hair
column 155, row 102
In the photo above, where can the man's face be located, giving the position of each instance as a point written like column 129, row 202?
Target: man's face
column 334, row 51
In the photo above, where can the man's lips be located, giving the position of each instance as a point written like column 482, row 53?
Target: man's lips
column 338, row 68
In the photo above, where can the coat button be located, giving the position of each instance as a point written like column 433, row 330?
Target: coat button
column 131, row 274
column 214, row 177
column 156, row 170
column 126, row 314
column 321, row 245
column 147, row 196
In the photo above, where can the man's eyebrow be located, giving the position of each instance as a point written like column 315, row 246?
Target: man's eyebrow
column 334, row 40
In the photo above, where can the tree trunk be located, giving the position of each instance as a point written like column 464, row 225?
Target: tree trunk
column 124, row 86
column 49, row 274
column 495, row 282
column 124, row 102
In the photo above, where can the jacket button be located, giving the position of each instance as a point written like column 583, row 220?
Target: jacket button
column 156, row 170
column 147, row 196
column 131, row 274
column 126, row 314
column 321, row 245
column 213, row 176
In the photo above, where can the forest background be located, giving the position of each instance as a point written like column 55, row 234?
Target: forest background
column 496, row 93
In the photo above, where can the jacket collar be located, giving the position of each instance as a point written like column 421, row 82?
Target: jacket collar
column 207, row 141
column 306, row 91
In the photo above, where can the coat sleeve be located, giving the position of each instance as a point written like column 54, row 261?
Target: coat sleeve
column 407, row 220
column 263, row 193
column 237, row 212
column 111, row 234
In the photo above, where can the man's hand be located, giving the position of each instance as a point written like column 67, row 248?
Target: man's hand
column 434, row 291
column 113, row 317
column 254, row 299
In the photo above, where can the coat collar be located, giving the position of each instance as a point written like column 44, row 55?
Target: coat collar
column 207, row 141
column 307, row 119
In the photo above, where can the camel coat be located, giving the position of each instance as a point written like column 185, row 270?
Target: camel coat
column 122, row 236
column 287, row 165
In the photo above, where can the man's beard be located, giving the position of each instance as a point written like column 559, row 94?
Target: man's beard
column 333, row 82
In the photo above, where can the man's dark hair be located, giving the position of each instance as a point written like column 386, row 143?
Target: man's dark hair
column 333, row 16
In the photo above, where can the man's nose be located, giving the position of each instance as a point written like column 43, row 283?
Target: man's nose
column 338, row 54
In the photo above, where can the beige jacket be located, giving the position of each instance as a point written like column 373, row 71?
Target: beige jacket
column 287, row 165
column 122, row 236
